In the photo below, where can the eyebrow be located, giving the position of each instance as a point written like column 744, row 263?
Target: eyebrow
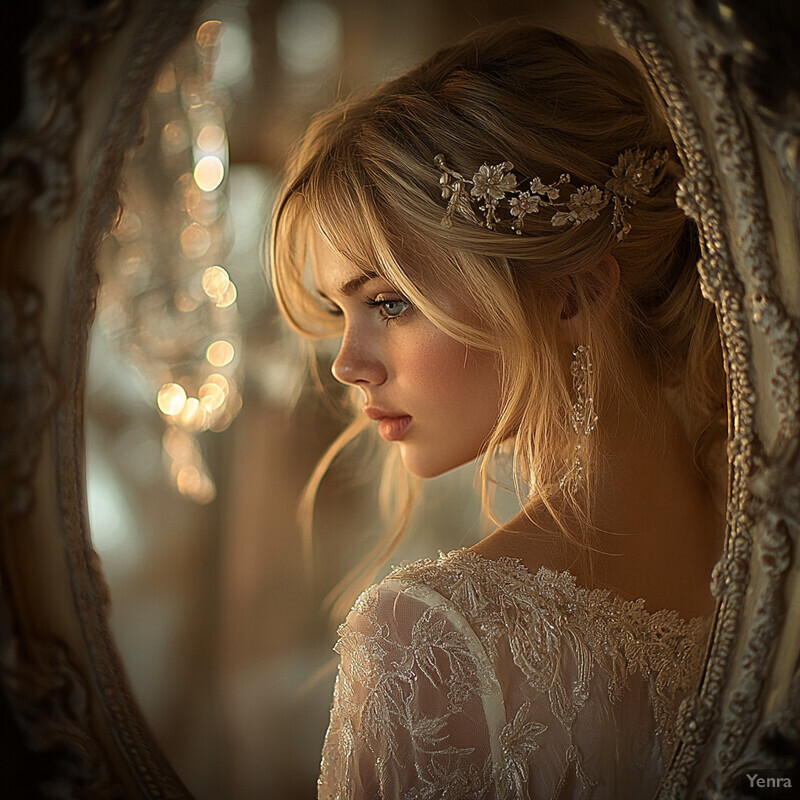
column 353, row 285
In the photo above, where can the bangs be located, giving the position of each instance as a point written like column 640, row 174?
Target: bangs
column 335, row 198
column 342, row 203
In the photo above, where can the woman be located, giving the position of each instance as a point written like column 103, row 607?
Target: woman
column 494, row 236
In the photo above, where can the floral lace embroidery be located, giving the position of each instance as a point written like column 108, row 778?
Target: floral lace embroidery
column 502, row 597
column 379, row 717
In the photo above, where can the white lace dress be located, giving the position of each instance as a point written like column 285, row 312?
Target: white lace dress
column 471, row 678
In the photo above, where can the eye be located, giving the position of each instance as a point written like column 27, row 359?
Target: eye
column 394, row 308
column 389, row 307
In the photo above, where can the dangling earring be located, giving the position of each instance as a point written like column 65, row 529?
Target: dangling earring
column 583, row 418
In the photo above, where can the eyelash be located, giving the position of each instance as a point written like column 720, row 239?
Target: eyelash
column 377, row 302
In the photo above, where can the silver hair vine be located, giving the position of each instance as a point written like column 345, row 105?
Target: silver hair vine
column 583, row 416
column 496, row 189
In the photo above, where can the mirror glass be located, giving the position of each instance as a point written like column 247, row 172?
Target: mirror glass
column 202, row 427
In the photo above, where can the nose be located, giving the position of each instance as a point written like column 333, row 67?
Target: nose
column 358, row 362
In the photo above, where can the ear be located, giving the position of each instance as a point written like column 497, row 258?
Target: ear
column 592, row 296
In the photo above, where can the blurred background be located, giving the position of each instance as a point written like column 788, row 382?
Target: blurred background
column 201, row 425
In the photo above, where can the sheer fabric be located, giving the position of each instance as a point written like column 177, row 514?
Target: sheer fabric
column 467, row 678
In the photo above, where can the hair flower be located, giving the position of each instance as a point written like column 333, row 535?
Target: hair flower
column 551, row 192
column 633, row 177
column 584, row 204
column 524, row 203
column 493, row 182
column 634, row 174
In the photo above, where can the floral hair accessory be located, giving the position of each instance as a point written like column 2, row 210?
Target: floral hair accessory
column 634, row 175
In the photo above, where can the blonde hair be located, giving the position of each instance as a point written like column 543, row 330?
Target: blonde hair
column 364, row 176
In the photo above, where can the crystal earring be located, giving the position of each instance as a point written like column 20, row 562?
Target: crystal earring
column 583, row 418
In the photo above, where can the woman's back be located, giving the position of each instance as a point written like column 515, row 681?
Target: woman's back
column 468, row 677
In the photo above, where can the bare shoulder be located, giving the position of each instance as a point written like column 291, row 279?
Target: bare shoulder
column 530, row 539
column 667, row 568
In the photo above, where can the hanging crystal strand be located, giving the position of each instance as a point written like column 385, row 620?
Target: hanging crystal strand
column 583, row 418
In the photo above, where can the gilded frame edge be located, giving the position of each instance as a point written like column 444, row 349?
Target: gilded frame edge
column 687, row 54
column 63, row 681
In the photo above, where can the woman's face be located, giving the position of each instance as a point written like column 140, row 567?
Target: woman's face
column 436, row 398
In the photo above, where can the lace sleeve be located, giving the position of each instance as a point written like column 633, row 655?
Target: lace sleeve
column 417, row 710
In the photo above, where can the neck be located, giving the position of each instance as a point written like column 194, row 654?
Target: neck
column 654, row 530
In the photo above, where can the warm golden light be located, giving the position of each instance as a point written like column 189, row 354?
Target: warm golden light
column 177, row 443
column 201, row 206
column 185, row 301
column 233, row 406
column 166, row 80
column 193, row 91
column 208, row 33
column 220, row 354
column 193, row 415
column 173, row 137
column 210, row 138
column 131, row 259
column 188, row 480
column 171, row 399
column 128, row 227
column 208, row 173
column 215, row 282
column 211, row 396
column 219, row 380
column 195, row 240
column 195, row 484
column 152, row 298
column 228, row 297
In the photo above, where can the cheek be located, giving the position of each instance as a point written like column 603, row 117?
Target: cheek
column 435, row 361
column 462, row 381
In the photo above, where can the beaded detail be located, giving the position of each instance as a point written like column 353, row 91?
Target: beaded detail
column 497, row 189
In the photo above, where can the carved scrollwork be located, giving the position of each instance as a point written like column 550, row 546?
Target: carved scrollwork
column 63, row 681
column 761, row 43
column 708, row 80
column 36, row 157
column 27, row 395
column 50, row 700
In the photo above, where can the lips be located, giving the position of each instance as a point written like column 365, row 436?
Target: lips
column 392, row 426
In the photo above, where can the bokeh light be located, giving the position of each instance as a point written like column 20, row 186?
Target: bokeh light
column 195, row 240
column 208, row 33
column 195, row 484
column 174, row 138
column 220, row 353
column 193, row 93
column 212, row 397
column 171, row 399
column 308, row 36
column 166, row 80
column 128, row 227
column 193, row 415
column 209, row 173
column 215, row 281
column 235, row 57
column 178, row 444
column 219, row 380
column 218, row 286
column 152, row 299
column 210, row 138
column 185, row 301
column 228, row 297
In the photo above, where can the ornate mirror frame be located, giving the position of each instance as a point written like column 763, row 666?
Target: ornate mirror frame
column 719, row 70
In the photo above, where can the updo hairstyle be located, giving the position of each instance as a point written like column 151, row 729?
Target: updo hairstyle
column 364, row 177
